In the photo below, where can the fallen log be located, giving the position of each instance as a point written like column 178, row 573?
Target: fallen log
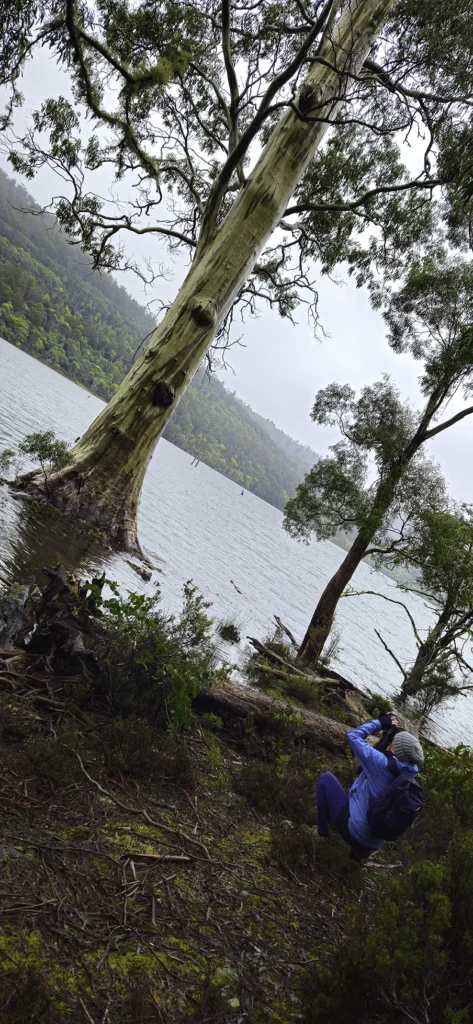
column 233, row 700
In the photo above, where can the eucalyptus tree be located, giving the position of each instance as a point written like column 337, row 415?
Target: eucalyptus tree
column 431, row 316
column 211, row 119
column 437, row 551
column 441, row 554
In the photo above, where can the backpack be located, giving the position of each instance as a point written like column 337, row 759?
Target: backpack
column 392, row 813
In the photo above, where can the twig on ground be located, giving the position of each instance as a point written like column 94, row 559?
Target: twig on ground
column 142, row 812
column 156, row 857
column 87, row 1014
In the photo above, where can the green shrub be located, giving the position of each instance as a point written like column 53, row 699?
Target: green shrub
column 303, row 690
column 376, row 704
column 229, row 631
column 212, row 722
column 394, row 954
column 304, row 853
column 51, row 758
column 447, row 777
column 153, row 664
column 43, row 447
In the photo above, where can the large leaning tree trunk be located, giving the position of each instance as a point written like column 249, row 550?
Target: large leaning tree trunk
column 101, row 484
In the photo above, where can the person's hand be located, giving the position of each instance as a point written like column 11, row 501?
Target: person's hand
column 387, row 720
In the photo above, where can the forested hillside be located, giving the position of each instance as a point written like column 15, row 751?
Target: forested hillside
column 301, row 453
column 86, row 326
column 53, row 306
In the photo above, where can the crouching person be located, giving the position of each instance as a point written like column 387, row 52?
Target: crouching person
column 384, row 799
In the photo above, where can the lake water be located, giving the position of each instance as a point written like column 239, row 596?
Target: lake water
column 197, row 525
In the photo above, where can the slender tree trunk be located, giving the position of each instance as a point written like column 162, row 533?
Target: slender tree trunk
column 100, row 487
column 426, row 655
column 322, row 619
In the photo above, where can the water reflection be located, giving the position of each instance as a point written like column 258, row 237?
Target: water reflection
column 34, row 537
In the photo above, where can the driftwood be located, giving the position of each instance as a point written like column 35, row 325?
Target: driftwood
column 270, row 655
column 328, row 677
column 237, row 701
column 287, row 631
column 144, row 573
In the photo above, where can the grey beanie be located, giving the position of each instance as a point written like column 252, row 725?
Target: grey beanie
column 407, row 748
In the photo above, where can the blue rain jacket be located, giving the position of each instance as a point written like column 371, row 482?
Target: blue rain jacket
column 372, row 782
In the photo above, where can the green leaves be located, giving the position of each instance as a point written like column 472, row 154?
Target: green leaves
column 156, row 79
column 331, row 497
column 377, row 428
column 45, row 448
column 155, row 664
column 431, row 316
column 441, row 551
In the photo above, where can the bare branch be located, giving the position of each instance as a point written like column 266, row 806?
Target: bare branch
column 374, row 593
column 393, row 656
column 416, row 94
column 355, row 203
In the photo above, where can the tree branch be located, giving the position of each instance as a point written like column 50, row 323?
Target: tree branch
column 392, row 600
column 129, row 138
column 415, row 94
column 342, row 207
column 223, row 179
column 393, row 656
column 232, row 81
column 448, row 423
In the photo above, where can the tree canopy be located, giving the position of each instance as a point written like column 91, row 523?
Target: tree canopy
column 340, row 491
column 178, row 98
column 440, row 553
column 429, row 314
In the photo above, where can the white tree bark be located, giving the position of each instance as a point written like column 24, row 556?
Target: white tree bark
column 101, row 485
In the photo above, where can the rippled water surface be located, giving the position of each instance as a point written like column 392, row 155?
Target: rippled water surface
column 197, row 525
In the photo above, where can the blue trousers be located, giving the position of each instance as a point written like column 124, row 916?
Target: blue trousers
column 331, row 799
column 333, row 808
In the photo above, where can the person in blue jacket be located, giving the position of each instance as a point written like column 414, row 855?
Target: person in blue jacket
column 348, row 813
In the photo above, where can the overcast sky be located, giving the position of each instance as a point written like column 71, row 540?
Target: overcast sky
column 281, row 366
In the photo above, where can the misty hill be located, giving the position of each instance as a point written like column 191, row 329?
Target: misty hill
column 301, row 453
column 84, row 325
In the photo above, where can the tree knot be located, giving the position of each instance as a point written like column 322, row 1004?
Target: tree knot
column 307, row 98
column 163, row 394
column 204, row 312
